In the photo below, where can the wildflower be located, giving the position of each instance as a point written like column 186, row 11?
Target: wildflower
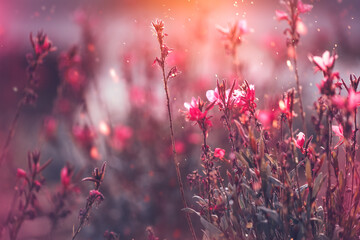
column 233, row 34
column 244, row 98
column 338, row 130
column 41, row 44
column 300, row 140
column 20, row 173
column 219, row 153
column 304, row 8
column 50, row 127
column 195, row 113
column 267, row 118
column 96, row 196
column 286, row 104
column 214, row 97
column 65, row 176
column 325, row 62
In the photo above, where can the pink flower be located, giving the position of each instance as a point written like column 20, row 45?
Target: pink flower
column 121, row 137
column 247, row 99
column 266, row 117
column 237, row 29
column 65, row 176
column 213, row 96
column 41, row 44
column 196, row 112
column 304, row 8
column 300, row 140
column 281, row 15
column 353, row 100
column 338, row 130
column 219, row 153
column 349, row 103
column 325, row 62
column 20, row 173
column 285, row 107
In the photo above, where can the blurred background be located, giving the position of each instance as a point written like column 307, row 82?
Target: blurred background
column 100, row 97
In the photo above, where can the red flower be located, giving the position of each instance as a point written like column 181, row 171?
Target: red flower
column 219, row 153
column 20, row 173
column 300, row 140
column 196, row 113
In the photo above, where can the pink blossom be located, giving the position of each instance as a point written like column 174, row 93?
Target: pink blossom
column 213, row 96
column 338, row 130
column 304, row 8
column 353, row 100
column 196, row 112
column 65, row 176
column 281, row 15
column 41, row 44
column 325, row 62
column 20, row 173
column 266, row 117
column 285, row 107
column 219, row 153
column 300, row 140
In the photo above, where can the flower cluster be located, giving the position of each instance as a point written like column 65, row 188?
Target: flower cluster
column 233, row 34
column 326, row 63
column 242, row 99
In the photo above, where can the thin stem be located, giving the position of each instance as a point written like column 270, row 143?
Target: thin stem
column 11, row 132
column 328, row 190
column 299, row 90
column 176, row 162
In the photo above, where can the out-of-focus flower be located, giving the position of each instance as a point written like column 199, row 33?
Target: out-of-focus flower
column 281, row 15
column 65, row 176
column 303, row 8
column 349, row 103
column 219, row 153
column 41, row 44
column 20, row 173
column 300, row 140
column 338, row 130
column 50, row 127
column 122, row 134
column 267, row 118
column 84, row 135
column 286, row 105
column 233, row 34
